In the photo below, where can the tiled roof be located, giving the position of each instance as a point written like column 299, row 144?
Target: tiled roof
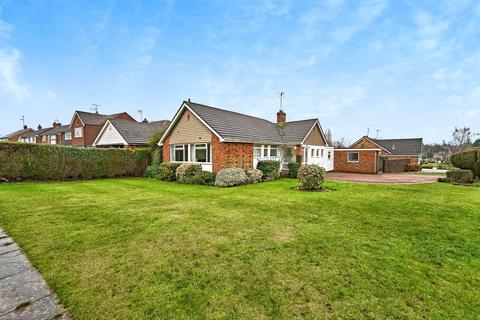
column 13, row 134
column 401, row 146
column 238, row 127
column 96, row 119
column 55, row 130
column 138, row 132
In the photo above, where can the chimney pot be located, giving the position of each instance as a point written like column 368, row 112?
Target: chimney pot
column 145, row 120
column 25, row 127
column 281, row 119
column 39, row 127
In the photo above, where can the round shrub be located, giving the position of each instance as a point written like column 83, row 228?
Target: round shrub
column 203, row 178
column 168, row 171
column 186, row 171
column 293, row 168
column 311, row 176
column 230, row 177
column 270, row 168
column 460, row 176
column 255, row 176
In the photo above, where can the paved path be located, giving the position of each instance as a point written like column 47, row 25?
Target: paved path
column 24, row 294
column 389, row 178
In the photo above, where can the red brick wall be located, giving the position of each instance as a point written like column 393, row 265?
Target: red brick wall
column 228, row 154
column 368, row 162
column 90, row 133
column 125, row 116
column 166, row 150
column 76, row 124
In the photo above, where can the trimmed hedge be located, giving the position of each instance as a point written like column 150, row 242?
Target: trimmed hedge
column 468, row 159
column 153, row 171
column 19, row 161
column 270, row 168
column 168, row 171
column 293, row 168
column 202, row 178
column 460, row 176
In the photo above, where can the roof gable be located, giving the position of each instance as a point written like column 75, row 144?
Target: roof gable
column 130, row 132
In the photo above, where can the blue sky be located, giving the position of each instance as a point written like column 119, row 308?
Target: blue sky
column 407, row 68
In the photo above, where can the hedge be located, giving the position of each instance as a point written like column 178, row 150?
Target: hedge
column 460, row 176
column 19, row 161
column 293, row 168
column 468, row 159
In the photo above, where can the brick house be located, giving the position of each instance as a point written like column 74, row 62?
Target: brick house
column 57, row 134
column 218, row 138
column 17, row 135
column 368, row 155
column 35, row 136
column 128, row 134
column 85, row 126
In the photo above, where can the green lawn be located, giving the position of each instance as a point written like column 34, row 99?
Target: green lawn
column 139, row 249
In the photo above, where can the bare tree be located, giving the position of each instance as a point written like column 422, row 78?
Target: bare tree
column 462, row 138
column 328, row 136
column 341, row 143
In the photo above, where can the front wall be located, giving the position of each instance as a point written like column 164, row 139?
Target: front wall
column 166, row 150
column 189, row 130
column 413, row 160
column 228, row 155
column 368, row 162
column 90, row 133
column 315, row 137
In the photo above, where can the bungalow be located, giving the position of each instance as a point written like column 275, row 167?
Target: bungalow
column 368, row 155
column 35, row 136
column 16, row 136
column 218, row 138
column 124, row 133
column 85, row 126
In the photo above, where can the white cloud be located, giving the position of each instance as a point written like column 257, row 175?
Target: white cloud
column 51, row 94
column 430, row 29
column 9, row 75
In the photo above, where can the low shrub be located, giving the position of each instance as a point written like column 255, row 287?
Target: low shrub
column 153, row 171
column 293, row 168
column 202, row 178
column 311, row 176
column 413, row 167
column 168, row 171
column 460, row 176
column 270, row 168
column 255, row 176
column 230, row 177
column 25, row 161
column 186, row 171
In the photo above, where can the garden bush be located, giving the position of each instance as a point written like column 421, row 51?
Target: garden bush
column 19, row 161
column 202, row 178
column 153, row 171
column 255, row 176
column 186, row 171
column 468, row 160
column 230, row 177
column 168, row 171
column 413, row 167
column 460, row 176
column 270, row 168
column 293, row 168
column 311, row 176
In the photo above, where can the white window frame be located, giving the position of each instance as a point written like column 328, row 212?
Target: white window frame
column 191, row 152
column 329, row 155
column 78, row 132
column 259, row 149
column 351, row 153
column 69, row 137
column 321, row 153
column 201, row 146
column 53, row 139
column 318, row 153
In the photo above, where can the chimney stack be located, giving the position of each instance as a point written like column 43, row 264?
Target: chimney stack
column 39, row 127
column 281, row 119
column 56, row 124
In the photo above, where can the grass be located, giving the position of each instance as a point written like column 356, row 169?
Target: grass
column 142, row 249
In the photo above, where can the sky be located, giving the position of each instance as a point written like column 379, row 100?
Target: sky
column 406, row 68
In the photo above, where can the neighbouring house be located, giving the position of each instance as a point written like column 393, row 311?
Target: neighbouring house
column 218, row 138
column 16, row 136
column 35, row 136
column 85, row 126
column 58, row 134
column 368, row 155
column 123, row 133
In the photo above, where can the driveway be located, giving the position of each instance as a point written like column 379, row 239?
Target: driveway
column 389, row 178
